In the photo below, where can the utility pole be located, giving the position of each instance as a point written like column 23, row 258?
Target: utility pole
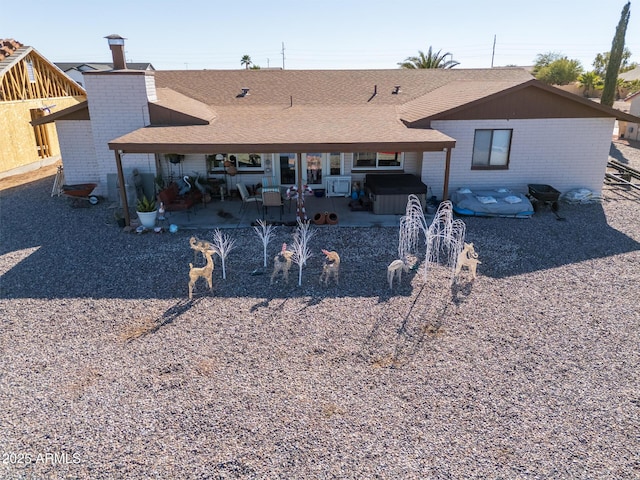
column 493, row 53
column 283, row 55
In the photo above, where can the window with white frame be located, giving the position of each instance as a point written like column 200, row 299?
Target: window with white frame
column 491, row 149
column 378, row 160
column 335, row 163
column 248, row 161
column 242, row 161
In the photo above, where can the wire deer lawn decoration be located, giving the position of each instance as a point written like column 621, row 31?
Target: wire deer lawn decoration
column 330, row 267
column 282, row 264
column 468, row 257
column 394, row 271
column 206, row 272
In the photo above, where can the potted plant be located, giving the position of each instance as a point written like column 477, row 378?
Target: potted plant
column 147, row 212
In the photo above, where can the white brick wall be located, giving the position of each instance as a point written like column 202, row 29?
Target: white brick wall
column 118, row 105
column 564, row 153
column 632, row 131
column 78, row 152
column 634, row 108
column 411, row 163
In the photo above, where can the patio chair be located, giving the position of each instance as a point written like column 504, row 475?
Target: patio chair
column 246, row 198
column 269, row 182
column 269, row 185
column 271, row 198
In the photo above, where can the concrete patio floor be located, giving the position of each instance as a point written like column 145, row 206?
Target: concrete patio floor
column 230, row 214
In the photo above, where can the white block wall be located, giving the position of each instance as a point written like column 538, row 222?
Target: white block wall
column 634, row 108
column 563, row 153
column 78, row 151
column 633, row 129
column 118, row 105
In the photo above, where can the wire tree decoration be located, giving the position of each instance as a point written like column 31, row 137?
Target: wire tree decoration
column 223, row 244
column 444, row 237
column 411, row 225
column 300, row 246
column 265, row 232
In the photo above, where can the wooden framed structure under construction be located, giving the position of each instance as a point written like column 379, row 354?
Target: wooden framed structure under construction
column 30, row 88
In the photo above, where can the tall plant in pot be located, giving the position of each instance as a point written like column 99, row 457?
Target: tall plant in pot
column 147, row 212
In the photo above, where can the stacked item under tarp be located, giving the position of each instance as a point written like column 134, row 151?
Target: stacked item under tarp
column 498, row 202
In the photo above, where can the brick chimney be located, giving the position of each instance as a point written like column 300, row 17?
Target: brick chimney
column 116, row 44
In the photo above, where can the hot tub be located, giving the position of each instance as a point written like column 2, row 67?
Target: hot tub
column 389, row 192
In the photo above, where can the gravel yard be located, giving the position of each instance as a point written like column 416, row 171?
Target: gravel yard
column 108, row 371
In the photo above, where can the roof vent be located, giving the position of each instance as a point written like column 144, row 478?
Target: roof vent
column 396, row 90
column 245, row 92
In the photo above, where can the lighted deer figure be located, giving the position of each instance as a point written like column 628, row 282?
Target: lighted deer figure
column 282, row 263
column 199, row 245
column 331, row 267
column 205, row 272
column 468, row 258
column 394, row 270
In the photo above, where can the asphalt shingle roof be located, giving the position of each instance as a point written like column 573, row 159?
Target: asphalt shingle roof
column 317, row 108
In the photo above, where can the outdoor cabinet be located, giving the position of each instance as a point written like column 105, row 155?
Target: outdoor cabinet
column 338, row 186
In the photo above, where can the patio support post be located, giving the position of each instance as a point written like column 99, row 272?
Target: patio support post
column 123, row 189
column 300, row 210
column 447, row 166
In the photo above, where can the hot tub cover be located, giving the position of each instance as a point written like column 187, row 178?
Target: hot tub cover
column 394, row 184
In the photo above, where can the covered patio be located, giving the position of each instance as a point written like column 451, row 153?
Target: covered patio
column 231, row 214
column 396, row 137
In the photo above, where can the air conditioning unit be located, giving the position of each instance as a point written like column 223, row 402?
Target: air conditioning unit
column 338, row 186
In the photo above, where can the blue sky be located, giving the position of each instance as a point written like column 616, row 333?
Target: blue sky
column 327, row 34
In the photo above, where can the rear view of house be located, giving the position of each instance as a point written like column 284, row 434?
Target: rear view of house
column 450, row 127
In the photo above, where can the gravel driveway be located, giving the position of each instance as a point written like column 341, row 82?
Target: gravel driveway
column 107, row 371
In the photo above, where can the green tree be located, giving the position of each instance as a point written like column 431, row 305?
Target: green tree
column 430, row 60
column 632, row 86
column 544, row 60
column 589, row 81
column 602, row 60
column 556, row 69
column 615, row 59
column 246, row 61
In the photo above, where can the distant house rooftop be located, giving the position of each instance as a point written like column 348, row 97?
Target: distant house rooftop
column 98, row 66
column 630, row 75
column 75, row 70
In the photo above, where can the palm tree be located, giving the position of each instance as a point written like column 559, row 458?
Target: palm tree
column 589, row 81
column 246, row 61
column 430, row 60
